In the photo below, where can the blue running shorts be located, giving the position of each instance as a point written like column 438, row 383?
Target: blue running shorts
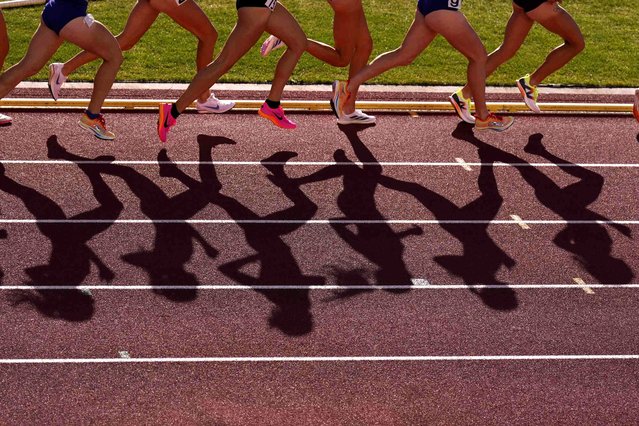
column 256, row 3
column 427, row 6
column 58, row 13
column 529, row 5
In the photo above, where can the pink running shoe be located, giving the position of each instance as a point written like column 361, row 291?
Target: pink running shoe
column 276, row 116
column 165, row 121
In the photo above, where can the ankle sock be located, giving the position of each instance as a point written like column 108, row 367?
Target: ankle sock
column 273, row 104
column 174, row 112
column 91, row 115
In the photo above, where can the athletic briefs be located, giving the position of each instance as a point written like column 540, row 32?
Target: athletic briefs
column 58, row 13
column 256, row 3
column 529, row 5
column 427, row 6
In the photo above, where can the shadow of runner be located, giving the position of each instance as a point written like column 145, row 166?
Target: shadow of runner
column 71, row 257
column 173, row 242
column 3, row 236
column 378, row 242
column 278, row 266
column 482, row 257
column 591, row 244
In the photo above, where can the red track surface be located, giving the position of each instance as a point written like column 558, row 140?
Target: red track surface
column 365, row 320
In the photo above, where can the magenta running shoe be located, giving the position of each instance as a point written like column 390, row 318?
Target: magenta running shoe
column 276, row 116
column 165, row 121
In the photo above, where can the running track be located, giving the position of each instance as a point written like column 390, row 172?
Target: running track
column 332, row 294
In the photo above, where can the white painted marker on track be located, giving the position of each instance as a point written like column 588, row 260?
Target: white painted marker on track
column 519, row 221
column 124, row 354
column 464, row 164
column 583, row 285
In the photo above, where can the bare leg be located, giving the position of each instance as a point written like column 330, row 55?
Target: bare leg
column 283, row 26
column 418, row 37
column 192, row 18
column 250, row 25
column 4, row 40
column 454, row 27
column 42, row 47
column 346, row 33
column 140, row 20
column 100, row 41
column 517, row 30
column 556, row 20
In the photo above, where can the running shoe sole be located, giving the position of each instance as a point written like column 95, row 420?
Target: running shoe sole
column 274, row 120
column 458, row 109
column 96, row 134
column 530, row 103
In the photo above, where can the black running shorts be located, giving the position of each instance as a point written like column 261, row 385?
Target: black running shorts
column 427, row 6
column 529, row 5
column 270, row 4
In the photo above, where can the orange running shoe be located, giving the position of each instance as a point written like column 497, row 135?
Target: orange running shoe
column 96, row 126
column 494, row 122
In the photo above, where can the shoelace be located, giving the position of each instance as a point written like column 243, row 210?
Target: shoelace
column 101, row 121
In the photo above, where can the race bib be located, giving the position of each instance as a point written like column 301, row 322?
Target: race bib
column 270, row 4
column 455, row 4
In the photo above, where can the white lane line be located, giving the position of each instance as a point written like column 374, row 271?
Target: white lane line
column 585, row 287
column 464, row 164
column 334, row 359
column 238, row 287
column 321, row 222
column 124, row 354
column 324, row 163
column 519, row 221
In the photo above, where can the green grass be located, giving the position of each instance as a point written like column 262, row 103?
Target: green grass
column 167, row 52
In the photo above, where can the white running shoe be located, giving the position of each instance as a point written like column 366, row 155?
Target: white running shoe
column 271, row 43
column 56, row 79
column 358, row 117
column 5, row 119
column 214, row 105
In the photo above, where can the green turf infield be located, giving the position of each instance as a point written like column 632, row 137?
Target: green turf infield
column 166, row 52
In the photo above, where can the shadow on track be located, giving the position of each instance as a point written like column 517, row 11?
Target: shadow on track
column 71, row 257
column 591, row 245
column 482, row 257
column 3, row 236
column 378, row 242
column 278, row 266
column 173, row 243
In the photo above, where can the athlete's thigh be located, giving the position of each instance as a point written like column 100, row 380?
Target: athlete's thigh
column 44, row 43
column 190, row 17
column 517, row 29
column 418, row 36
column 284, row 26
column 556, row 19
column 251, row 23
column 345, row 6
column 95, row 38
column 456, row 29
column 142, row 16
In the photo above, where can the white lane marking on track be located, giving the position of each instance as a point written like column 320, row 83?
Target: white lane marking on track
column 519, row 221
column 124, row 354
column 323, row 163
column 238, row 287
column 322, row 222
column 464, row 164
column 420, row 282
column 585, row 287
column 298, row 359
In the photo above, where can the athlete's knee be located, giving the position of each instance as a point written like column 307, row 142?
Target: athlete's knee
column 578, row 44
column 298, row 44
column 366, row 45
column 114, row 56
column 478, row 56
column 207, row 34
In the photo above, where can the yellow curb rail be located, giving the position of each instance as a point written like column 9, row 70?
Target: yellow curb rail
column 305, row 105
